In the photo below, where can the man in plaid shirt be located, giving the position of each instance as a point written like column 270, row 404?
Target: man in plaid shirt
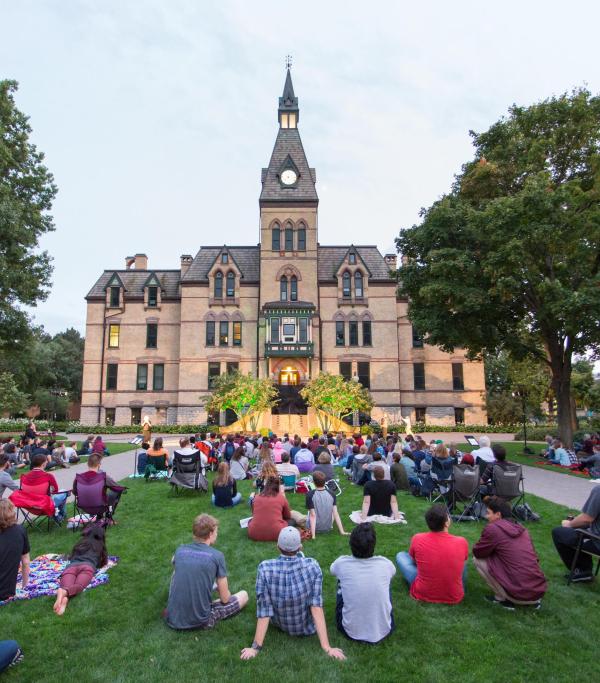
column 289, row 592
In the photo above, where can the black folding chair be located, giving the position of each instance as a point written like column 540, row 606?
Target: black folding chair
column 508, row 484
column 441, row 476
column 592, row 549
column 188, row 472
column 465, row 490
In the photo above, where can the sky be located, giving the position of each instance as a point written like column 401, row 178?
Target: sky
column 157, row 117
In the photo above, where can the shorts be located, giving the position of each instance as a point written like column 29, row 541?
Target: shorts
column 218, row 612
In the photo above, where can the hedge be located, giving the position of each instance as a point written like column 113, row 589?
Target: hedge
column 76, row 427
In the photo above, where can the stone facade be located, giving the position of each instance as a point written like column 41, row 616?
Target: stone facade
column 287, row 308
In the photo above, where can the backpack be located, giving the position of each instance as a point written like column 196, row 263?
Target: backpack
column 525, row 513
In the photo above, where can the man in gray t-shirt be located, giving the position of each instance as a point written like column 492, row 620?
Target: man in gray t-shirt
column 197, row 567
column 566, row 538
column 364, row 606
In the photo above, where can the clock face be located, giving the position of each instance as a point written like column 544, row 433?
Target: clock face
column 288, row 177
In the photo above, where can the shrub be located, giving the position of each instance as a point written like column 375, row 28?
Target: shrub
column 77, row 427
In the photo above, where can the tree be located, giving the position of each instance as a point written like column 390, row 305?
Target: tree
column 26, row 194
column 246, row 395
column 12, row 399
column 510, row 257
column 582, row 381
column 336, row 396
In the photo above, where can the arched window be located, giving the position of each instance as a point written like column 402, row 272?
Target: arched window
column 230, row 284
column 283, row 289
column 358, row 285
column 346, row 285
column 276, row 238
column 218, row 285
column 289, row 238
column 293, row 288
column 301, row 237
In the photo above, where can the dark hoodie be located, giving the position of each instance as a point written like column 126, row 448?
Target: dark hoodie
column 511, row 559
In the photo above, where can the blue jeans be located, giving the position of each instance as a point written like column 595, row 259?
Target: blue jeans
column 60, row 504
column 408, row 568
column 234, row 501
column 8, row 651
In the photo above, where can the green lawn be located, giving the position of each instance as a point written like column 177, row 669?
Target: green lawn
column 115, row 632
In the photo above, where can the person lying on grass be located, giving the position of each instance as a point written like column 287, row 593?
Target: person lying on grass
column 322, row 508
column 88, row 554
column 289, row 593
column 197, row 567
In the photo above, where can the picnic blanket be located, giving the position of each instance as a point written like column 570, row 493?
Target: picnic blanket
column 377, row 519
column 44, row 577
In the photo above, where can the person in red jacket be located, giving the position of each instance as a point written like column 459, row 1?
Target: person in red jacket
column 507, row 561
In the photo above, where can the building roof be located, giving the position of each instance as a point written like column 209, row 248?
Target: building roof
column 247, row 259
column 289, row 304
column 134, row 282
column 330, row 259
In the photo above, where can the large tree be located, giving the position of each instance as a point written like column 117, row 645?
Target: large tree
column 510, row 257
column 26, row 194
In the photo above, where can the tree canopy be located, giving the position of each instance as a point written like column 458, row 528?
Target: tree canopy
column 510, row 257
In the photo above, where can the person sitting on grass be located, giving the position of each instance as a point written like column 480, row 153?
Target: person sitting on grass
column 14, row 551
column 6, row 481
column 113, row 490
column 86, row 446
column 505, row 558
column 39, row 462
column 198, row 566
column 304, row 459
column 271, row 513
column 363, row 603
column 239, row 464
column 99, row 446
column 71, row 453
column 88, row 554
column 566, row 538
column 560, row 456
column 289, row 593
column 379, row 497
column 322, row 508
column 435, row 565
column 267, row 471
column 399, row 473
column 378, row 461
column 225, row 493
column 592, row 462
column 324, row 465
column 487, row 478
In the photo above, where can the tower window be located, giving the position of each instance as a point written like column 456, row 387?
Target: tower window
column 293, row 288
column 218, row 285
column 230, row 284
column 358, row 285
column 346, row 285
column 301, row 239
column 289, row 239
column 276, row 238
column 283, row 289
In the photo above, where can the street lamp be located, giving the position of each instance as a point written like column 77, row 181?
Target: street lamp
column 522, row 394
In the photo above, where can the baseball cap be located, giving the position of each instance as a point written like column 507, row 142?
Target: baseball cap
column 289, row 539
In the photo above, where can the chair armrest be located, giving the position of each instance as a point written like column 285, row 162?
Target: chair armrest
column 63, row 491
column 588, row 534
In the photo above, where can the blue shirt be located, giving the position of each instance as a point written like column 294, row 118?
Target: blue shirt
column 286, row 589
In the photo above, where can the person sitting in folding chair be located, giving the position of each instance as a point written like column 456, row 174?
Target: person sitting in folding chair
column 585, row 530
column 38, row 486
column 189, row 470
column 465, row 489
column 505, row 558
column 487, row 478
column 321, row 504
column 441, row 475
column 97, row 493
column 507, row 483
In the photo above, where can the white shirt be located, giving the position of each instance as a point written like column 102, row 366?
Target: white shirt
column 285, row 468
column 189, row 451
column 485, row 453
column 70, row 452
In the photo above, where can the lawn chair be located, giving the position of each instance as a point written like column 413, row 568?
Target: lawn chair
column 465, row 489
column 333, row 486
column 35, row 504
column 188, row 472
column 508, row 484
column 91, row 498
column 289, row 482
column 441, row 477
column 582, row 547
column 155, row 464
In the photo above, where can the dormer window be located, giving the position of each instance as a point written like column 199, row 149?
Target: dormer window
column 352, row 259
column 152, row 297
column 115, row 296
column 346, row 293
column 230, row 291
column 358, row 285
column 224, row 258
column 218, row 285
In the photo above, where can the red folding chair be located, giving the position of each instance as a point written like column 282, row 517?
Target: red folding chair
column 35, row 504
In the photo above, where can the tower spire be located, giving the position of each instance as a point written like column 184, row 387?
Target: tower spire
column 288, row 112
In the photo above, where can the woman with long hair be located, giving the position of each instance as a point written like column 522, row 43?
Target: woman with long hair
column 88, row 555
column 268, row 470
column 239, row 464
column 225, row 493
column 271, row 513
column 158, row 451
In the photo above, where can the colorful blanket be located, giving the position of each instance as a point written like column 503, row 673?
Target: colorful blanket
column 44, row 577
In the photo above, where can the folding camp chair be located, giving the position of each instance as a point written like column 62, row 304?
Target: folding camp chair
column 465, row 489
column 333, row 486
column 156, row 464
column 508, row 484
column 441, row 477
column 588, row 548
column 35, row 504
column 188, row 472
column 289, row 482
column 90, row 491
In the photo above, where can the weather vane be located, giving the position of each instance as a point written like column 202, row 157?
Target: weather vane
column 288, row 61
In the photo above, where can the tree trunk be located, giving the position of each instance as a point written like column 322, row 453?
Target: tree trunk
column 561, row 383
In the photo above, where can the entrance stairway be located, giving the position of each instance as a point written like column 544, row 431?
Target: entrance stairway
column 290, row 424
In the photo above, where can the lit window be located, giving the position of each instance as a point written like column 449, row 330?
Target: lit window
column 292, row 120
column 113, row 336
column 285, row 120
column 237, row 333
column 218, row 285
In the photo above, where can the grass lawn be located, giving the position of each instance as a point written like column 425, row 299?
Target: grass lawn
column 115, row 632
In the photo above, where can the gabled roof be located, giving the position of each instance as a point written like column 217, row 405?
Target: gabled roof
column 330, row 258
column 352, row 250
column 134, row 282
column 115, row 281
column 153, row 281
column 247, row 260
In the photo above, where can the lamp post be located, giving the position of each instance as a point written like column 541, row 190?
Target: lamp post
column 522, row 394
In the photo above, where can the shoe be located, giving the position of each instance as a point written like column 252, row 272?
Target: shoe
column 17, row 658
column 579, row 576
column 507, row 604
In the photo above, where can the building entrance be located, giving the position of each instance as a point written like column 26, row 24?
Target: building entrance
column 289, row 377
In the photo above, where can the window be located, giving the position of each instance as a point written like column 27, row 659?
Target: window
column 289, row 330
column 113, row 336
column 358, row 285
column 367, row 336
column 364, row 374
column 214, row 371
column 218, row 285
column 141, row 382
column 111, row 376
column 283, row 289
column 151, row 335
column 109, row 416
column 210, row 333
column 352, row 258
column 136, row 416
column 417, row 341
column 420, row 415
column 274, row 330
column 224, row 258
column 459, row 416
column 152, row 297
column 230, row 291
column 232, row 367
column 353, row 333
column 224, row 333
column 419, row 376
column 237, row 333
column 289, row 238
column 346, row 370
column 115, row 296
column 301, row 235
column 293, row 288
column 346, row 285
column 276, row 238
column 340, row 335
column 458, row 383
column 303, row 331
column 158, row 377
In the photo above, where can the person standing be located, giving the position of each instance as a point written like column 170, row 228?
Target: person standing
column 146, row 429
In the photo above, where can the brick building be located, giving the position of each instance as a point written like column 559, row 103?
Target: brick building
column 287, row 308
